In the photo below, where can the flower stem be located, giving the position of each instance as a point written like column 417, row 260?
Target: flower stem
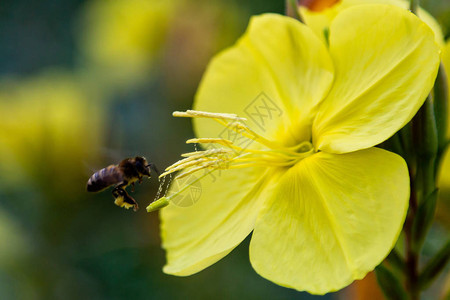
column 412, row 258
column 423, row 192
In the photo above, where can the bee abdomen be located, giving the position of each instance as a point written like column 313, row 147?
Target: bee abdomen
column 104, row 178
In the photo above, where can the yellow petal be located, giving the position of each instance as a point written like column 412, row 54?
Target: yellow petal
column 386, row 61
column 274, row 76
column 200, row 228
column 331, row 220
column 320, row 21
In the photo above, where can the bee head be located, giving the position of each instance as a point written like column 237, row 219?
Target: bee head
column 142, row 165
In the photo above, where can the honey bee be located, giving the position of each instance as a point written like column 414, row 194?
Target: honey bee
column 126, row 173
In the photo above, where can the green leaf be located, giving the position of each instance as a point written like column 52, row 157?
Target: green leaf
column 423, row 220
column 424, row 130
column 434, row 266
column 390, row 284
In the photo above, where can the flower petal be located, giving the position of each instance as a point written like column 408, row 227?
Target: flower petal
column 332, row 219
column 199, row 235
column 386, row 61
column 274, row 76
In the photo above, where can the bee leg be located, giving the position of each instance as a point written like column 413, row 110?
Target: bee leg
column 130, row 200
column 123, row 199
column 132, row 187
column 140, row 179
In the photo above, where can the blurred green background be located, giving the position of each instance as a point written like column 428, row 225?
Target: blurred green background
column 84, row 84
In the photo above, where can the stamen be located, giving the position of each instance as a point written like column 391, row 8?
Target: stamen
column 198, row 154
column 186, row 165
column 204, row 160
column 203, row 114
column 206, row 152
column 236, row 125
column 223, row 142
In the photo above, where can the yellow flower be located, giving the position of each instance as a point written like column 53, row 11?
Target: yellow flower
column 294, row 158
column 48, row 128
column 122, row 38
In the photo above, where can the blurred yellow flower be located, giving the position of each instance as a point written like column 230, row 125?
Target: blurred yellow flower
column 48, row 127
column 123, row 38
column 301, row 170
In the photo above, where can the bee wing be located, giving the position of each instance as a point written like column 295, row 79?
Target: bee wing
column 108, row 156
column 117, row 155
column 111, row 154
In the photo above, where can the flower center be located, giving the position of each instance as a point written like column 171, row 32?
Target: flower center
column 224, row 154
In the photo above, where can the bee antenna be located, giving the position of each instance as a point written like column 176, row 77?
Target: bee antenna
column 153, row 167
